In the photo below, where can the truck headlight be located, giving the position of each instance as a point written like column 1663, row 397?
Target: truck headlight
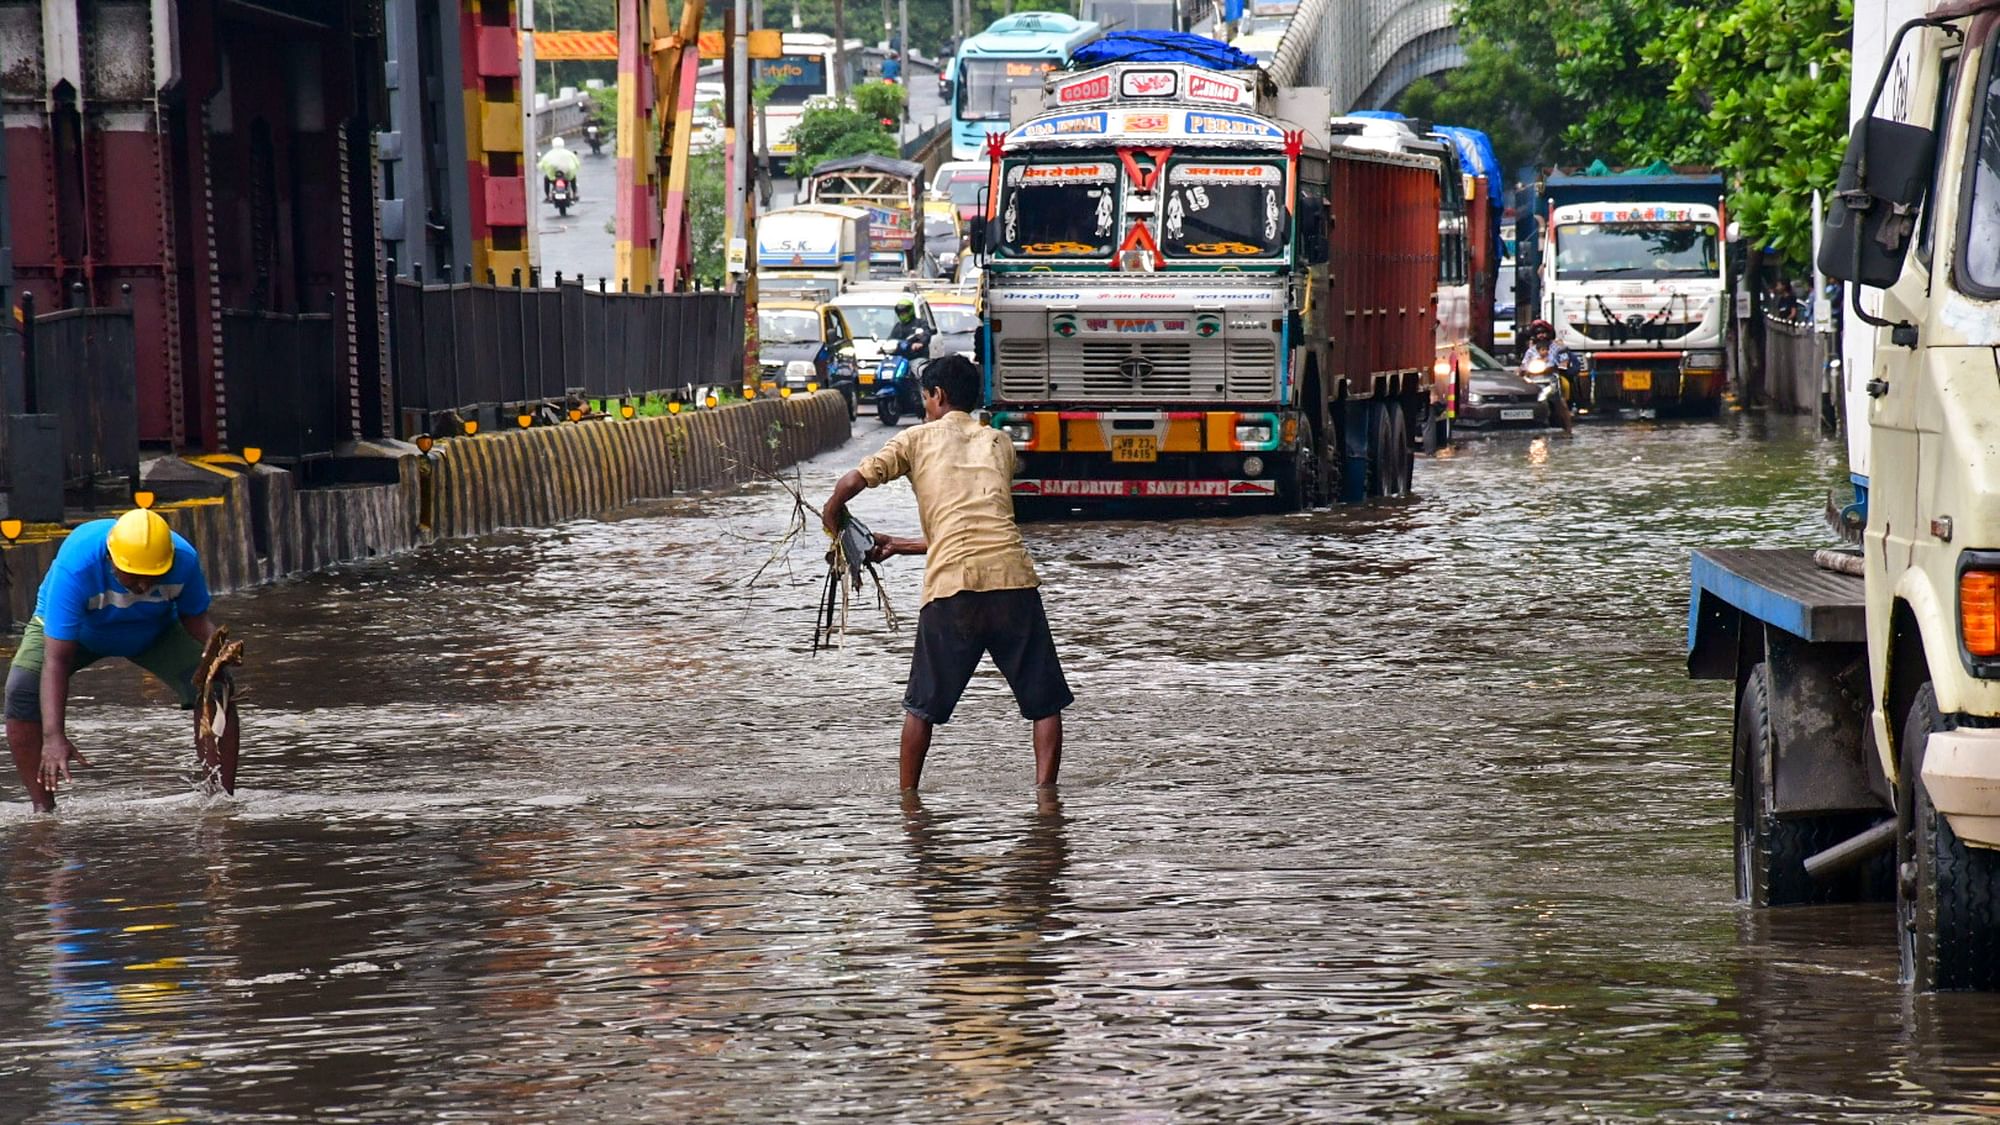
column 1702, row 361
column 800, row 371
column 1019, row 431
column 1253, row 433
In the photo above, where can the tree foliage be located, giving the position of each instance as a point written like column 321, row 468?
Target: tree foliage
column 850, row 128
column 1686, row 81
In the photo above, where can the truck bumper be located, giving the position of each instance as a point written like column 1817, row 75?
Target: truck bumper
column 1962, row 776
column 1086, row 456
column 1655, row 380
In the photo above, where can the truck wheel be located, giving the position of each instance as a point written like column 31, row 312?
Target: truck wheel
column 1402, row 454
column 1380, row 476
column 1771, row 851
column 1948, row 895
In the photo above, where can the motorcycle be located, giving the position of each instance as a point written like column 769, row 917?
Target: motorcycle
column 896, row 392
column 560, row 195
column 596, row 139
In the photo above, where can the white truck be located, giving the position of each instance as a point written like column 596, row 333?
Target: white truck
column 1867, row 730
column 1632, row 276
column 814, row 252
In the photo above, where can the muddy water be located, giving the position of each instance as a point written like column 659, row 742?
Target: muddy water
column 1393, row 814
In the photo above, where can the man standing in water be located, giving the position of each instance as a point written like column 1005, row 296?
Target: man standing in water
column 127, row 587
column 981, row 594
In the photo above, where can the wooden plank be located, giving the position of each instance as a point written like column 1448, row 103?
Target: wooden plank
column 1784, row 588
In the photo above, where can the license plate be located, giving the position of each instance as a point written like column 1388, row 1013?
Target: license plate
column 1637, row 380
column 1135, row 449
column 1518, row 414
column 867, row 378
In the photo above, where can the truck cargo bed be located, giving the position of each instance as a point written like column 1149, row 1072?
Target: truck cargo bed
column 1783, row 587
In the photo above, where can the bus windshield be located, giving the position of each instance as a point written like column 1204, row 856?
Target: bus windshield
column 1131, row 15
column 1218, row 209
column 1641, row 250
column 985, row 86
column 794, row 78
column 1061, row 210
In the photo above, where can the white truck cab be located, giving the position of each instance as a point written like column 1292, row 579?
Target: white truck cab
column 1867, row 735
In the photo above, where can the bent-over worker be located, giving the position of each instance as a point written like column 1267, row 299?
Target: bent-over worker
column 981, row 593
column 127, row 587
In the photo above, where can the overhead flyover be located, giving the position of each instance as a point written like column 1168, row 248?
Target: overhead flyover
column 1367, row 52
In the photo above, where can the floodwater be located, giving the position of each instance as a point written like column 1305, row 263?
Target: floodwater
column 1391, row 814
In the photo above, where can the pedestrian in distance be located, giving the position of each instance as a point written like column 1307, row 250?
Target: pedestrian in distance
column 127, row 587
column 981, row 594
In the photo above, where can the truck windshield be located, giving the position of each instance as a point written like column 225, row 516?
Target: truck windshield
column 986, row 86
column 1642, row 250
column 1132, row 15
column 787, row 326
column 1223, row 210
column 1063, row 210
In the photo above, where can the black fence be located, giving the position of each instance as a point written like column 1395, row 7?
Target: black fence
column 465, row 346
column 278, row 379
column 83, row 368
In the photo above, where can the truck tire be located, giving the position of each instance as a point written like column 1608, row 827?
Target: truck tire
column 1402, row 453
column 1771, row 851
column 1948, row 895
column 1380, row 475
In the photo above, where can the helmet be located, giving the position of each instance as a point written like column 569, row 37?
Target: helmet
column 558, row 142
column 141, row 543
column 905, row 309
column 1541, row 328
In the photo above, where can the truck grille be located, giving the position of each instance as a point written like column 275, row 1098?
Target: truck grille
column 1024, row 371
column 1253, row 369
column 1645, row 333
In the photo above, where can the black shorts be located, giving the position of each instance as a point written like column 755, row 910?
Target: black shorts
column 954, row 632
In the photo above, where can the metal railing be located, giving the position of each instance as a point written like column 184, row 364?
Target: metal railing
column 461, row 347
column 1797, row 375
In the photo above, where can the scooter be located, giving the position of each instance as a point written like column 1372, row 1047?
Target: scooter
column 559, row 194
column 896, row 392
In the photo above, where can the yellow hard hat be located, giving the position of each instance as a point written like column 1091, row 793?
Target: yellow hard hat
column 141, row 543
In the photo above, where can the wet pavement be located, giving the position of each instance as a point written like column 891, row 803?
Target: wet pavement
column 1391, row 814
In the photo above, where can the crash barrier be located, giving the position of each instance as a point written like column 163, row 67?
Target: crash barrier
column 279, row 390
column 253, row 524
column 459, row 347
column 548, row 474
column 82, row 368
column 1798, row 377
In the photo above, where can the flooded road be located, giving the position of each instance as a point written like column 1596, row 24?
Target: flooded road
column 1391, row 814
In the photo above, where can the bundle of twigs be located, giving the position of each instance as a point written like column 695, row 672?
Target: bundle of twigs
column 848, row 570
column 216, row 689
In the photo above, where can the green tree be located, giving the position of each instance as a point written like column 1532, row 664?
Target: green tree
column 847, row 129
column 707, row 224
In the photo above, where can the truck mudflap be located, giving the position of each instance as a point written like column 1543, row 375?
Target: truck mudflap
column 1072, row 489
column 1962, row 776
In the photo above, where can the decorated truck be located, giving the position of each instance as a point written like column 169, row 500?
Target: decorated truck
column 890, row 190
column 1192, row 296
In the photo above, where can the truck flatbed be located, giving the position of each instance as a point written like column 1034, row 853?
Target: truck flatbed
column 1782, row 587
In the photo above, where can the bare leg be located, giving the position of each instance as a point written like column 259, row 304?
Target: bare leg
column 916, row 744
column 1048, row 749
column 25, row 740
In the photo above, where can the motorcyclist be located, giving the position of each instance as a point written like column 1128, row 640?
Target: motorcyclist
column 909, row 328
column 595, row 136
column 1547, row 353
column 559, row 161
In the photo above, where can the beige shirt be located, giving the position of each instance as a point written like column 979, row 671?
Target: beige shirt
column 963, row 474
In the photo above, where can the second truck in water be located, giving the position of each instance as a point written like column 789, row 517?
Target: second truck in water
column 1194, row 294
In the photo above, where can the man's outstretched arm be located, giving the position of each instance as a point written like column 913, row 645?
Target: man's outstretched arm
column 845, row 489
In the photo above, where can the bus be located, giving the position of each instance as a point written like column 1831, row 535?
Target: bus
column 803, row 73
column 1013, row 54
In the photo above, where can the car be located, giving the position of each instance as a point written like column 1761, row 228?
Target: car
column 802, row 345
column 1500, row 397
column 962, row 182
column 957, row 314
column 944, row 238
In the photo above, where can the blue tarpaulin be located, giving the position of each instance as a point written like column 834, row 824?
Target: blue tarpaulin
column 1160, row 47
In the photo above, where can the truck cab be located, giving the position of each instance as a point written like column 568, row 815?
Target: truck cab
column 1868, row 719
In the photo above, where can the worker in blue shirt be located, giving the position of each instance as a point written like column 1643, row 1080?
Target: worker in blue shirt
column 127, row 587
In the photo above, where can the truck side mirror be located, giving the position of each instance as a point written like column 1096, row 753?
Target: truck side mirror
column 1873, row 219
column 976, row 228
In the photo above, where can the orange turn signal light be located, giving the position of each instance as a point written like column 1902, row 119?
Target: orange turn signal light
column 1979, row 612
